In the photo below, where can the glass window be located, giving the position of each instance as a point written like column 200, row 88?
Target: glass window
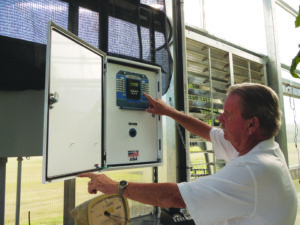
column 88, row 26
column 288, row 35
column 287, row 75
column 240, row 22
column 291, row 110
column 193, row 13
column 27, row 20
column 293, row 3
column 40, row 203
column 292, row 118
column 124, row 34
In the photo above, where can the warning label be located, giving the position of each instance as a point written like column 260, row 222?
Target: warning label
column 133, row 155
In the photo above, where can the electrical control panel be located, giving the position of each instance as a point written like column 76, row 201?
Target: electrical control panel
column 94, row 110
column 137, row 137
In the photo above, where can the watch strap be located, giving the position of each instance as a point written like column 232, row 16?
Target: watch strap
column 121, row 187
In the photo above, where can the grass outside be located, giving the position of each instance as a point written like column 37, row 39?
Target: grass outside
column 43, row 202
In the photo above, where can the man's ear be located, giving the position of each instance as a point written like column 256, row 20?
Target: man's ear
column 253, row 125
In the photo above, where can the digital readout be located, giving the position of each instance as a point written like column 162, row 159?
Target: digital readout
column 134, row 84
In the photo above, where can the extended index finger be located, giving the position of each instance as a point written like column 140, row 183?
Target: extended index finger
column 89, row 175
column 148, row 97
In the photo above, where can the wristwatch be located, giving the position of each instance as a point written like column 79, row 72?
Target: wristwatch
column 121, row 187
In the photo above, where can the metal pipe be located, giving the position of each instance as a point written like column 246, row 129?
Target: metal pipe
column 211, row 108
column 249, row 72
column 18, row 197
column 69, row 200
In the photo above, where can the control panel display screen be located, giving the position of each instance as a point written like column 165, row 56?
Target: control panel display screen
column 133, row 89
column 130, row 88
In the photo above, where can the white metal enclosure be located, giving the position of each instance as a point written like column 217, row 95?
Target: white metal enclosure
column 132, row 136
column 73, row 106
column 94, row 112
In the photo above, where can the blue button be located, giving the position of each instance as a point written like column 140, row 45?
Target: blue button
column 132, row 132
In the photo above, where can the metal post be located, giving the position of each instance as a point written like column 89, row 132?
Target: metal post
column 73, row 17
column 70, row 185
column 3, row 162
column 274, row 67
column 18, row 196
column 69, row 200
column 155, row 180
column 180, row 84
column 103, row 25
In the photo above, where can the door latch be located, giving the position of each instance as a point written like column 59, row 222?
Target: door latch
column 53, row 98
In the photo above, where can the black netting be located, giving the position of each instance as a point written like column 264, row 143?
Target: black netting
column 132, row 29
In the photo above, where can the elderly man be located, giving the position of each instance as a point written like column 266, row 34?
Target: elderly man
column 254, row 188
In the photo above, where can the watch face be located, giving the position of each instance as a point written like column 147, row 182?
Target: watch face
column 123, row 182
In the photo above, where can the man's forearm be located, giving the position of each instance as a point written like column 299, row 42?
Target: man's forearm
column 164, row 195
column 157, row 194
column 193, row 125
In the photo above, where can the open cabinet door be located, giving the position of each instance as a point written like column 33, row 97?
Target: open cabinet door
column 72, row 141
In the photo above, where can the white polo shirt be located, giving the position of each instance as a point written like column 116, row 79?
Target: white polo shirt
column 253, row 189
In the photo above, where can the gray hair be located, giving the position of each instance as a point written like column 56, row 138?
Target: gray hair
column 260, row 101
